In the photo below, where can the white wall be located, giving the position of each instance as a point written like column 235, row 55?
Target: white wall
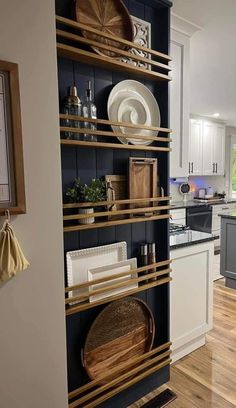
column 213, row 84
column 32, row 323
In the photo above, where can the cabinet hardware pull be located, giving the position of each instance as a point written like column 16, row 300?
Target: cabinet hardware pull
column 216, row 167
column 189, row 167
column 192, row 167
column 213, row 167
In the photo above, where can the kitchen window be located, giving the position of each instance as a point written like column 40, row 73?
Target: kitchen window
column 232, row 172
column 233, row 169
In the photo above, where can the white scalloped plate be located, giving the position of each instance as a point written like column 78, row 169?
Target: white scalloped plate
column 78, row 263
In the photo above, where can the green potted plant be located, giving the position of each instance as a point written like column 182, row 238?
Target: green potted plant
column 87, row 193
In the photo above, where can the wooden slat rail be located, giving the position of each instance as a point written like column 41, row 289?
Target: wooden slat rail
column 118, row 275
column 104, row 224
column 117, row 370
column 118, row 52
column 74, row 24
column 108, row 203
column 103, row 145
column 87, row 57
column 117, row 212
column 118, row 380
column 105, row 133
column 85, row 306
column 118, row 285
column 128, row 384
column 113, row 123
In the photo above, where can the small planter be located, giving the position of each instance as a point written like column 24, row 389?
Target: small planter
column 89, row 220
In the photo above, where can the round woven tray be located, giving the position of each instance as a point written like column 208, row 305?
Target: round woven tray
column 122, row 331
column 109, row 16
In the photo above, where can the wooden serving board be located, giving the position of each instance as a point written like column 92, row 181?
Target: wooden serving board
column 116, row 190
column 123, row 331
column 143, row 179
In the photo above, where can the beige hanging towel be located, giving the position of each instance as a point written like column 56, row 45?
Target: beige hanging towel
column 12, row 259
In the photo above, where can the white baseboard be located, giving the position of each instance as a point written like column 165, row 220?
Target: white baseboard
column 188, row 348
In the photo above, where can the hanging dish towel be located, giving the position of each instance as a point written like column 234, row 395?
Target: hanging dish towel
column 12, row 259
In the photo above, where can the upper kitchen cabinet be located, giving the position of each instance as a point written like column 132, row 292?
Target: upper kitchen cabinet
column 206, row 148
column 195, row 148
column 179, row 104
column 181, row 31
column 208, row 135
column 219, row 150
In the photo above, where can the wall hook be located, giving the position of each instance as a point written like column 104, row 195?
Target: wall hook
column 8, row 215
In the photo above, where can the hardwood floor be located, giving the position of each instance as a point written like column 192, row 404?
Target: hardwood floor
column 207, row 377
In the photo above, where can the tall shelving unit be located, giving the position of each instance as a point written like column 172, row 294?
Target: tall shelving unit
column 78, row 64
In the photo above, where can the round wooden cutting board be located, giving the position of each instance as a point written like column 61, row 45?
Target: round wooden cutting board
column 109, row 16
column 122, row 331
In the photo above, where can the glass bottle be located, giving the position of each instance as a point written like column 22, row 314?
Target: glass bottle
column 89, row 110
column 72, row 106
column 152, row 257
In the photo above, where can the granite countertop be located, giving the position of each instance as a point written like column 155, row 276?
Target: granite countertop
column 192, row 203
column 229, row 214
column 190, row 237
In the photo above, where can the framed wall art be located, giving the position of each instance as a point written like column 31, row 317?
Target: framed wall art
column 12, row 186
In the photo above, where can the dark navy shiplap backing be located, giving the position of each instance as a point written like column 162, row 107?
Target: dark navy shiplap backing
column 89, row 163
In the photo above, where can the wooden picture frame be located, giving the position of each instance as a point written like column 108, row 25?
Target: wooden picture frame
column 12, row 185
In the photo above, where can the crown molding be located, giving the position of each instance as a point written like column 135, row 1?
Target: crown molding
column 184, row 26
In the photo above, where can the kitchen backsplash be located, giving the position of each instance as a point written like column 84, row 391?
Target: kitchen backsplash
column 217, row 183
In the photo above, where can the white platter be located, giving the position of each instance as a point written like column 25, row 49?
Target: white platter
column 130, row 101
column 110, row 270
column 78, row 263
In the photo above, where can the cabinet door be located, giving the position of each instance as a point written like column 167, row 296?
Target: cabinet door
column 209, row 133
column 179, row 104
column 219, row 150
column 191, row 297
column 195, row 147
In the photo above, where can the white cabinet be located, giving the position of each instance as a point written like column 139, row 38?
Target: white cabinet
column 191, row 297
column 195, row 147
column 213, row 149
column 206, row 148
column 219, row 150
column 179, row 104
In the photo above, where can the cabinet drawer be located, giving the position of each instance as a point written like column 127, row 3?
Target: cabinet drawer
column 216, row 209
column 217, row 243
column 181, row 221
column 216, row 222
column 178, row 214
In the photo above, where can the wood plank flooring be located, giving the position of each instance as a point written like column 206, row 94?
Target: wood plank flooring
column 207, row 377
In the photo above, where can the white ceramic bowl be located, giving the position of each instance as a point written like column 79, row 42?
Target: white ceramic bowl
column 132, row 102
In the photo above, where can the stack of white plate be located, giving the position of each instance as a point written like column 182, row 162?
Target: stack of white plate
column 132, row 102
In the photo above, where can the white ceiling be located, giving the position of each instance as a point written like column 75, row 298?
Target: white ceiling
column 213, row 56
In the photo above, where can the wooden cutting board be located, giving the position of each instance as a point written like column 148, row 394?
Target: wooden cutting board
column 121, row 332
column 143, row 179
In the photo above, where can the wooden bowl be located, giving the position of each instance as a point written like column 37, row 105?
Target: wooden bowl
column 109, row 16
column 124, row 330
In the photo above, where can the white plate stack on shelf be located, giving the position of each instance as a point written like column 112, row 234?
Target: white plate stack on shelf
column 86, row 265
